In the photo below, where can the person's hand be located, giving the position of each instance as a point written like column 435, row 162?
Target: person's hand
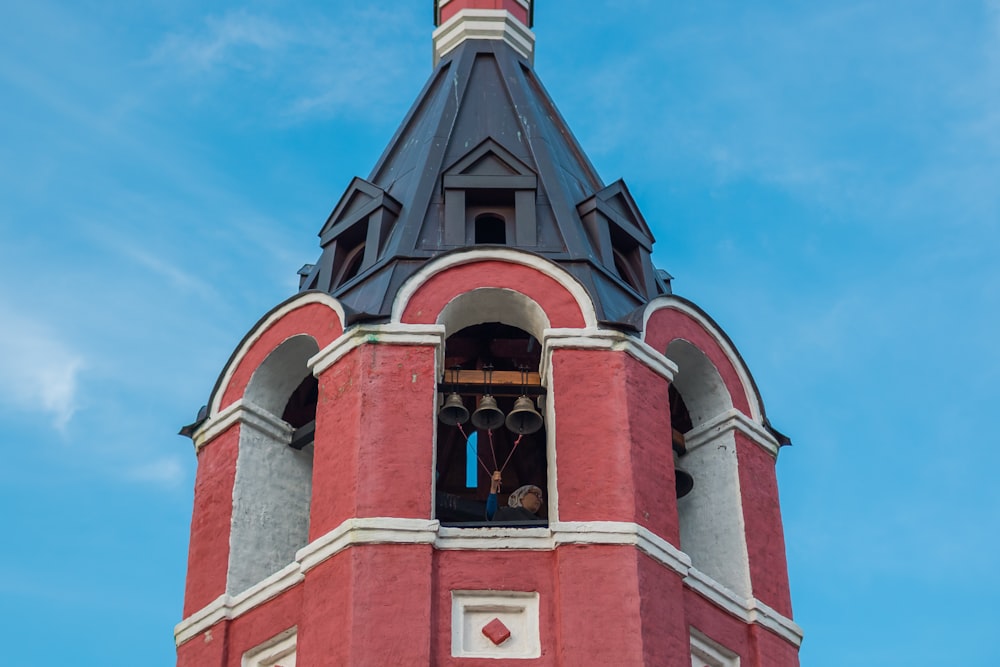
column 495, row 482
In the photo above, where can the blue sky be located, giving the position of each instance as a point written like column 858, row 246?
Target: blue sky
column 821, row 177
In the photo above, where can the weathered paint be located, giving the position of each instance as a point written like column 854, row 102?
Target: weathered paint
column 208, row 551
column 430, row 299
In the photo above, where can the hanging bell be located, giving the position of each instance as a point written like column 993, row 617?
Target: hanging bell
column 524, row 419
column 683, row 481
column 453, row 411
column 487, row 417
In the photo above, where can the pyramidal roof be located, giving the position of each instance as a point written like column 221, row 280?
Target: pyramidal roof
column 484, row 158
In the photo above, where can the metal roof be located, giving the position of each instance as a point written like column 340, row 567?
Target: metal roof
column 484, row 135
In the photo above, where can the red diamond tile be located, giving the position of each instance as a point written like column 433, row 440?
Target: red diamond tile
column 496, row 631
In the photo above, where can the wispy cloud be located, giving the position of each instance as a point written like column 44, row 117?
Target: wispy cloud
column 38, row 371
column 167, row 472
column 311, row 66
column 237, row 39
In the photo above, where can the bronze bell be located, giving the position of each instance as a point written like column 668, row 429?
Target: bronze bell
column 683, row 481
column 453, row 411
column 487, row 417
column 524, row 419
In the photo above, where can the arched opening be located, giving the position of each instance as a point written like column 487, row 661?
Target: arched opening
column 273, row 487
column 467, row 456
column 491, row 229
column 711, row 515
column 352, row 264
column 625, row 270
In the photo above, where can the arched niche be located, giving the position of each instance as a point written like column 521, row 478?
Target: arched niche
column 499, row 328
column 711, row 521
column 492, row 304
column 273, row 486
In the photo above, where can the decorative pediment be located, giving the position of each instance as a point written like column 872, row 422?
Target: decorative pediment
column 615, row 203
column 490, row 165
column 359, row 201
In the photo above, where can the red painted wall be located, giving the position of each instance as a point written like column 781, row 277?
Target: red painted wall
column 652, row 451
column 428, row 301
column 208, row 550
column 313, row 319
column 453, row 7
column 668, row 324
column 374, row 436
column 762, row 517
column 593, row 444
column 665, row 640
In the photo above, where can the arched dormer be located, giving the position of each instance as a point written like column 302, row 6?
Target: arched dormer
column 269, row 395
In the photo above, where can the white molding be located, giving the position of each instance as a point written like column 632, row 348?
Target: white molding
column 669, row 302
column 262, row 327
column 228, row 607
column 704, row 648
column 508, row 255
column 605, row 339
column 517, row 610
column 731, row 420
column 373, row 530
column 390, row 530
column 247, row 414
column 380, row 334
column 623, row 532
column 494, row 539
column 498, row 24
column 280, row 647
column 749, row 610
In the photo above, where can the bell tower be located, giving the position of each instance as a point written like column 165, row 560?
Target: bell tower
column 485, row 427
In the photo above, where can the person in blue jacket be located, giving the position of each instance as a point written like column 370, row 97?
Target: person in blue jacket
column 523, row 503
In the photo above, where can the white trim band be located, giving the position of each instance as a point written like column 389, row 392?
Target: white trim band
column 228, row 607
column 605, row 339
column 247, row 414
column 389, row 530
column 498, row 24
column 731, row 420
column 379, row 334
column 749, row 610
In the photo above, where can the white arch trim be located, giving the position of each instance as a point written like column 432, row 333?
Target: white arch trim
column 669, row 302
column 508, row 255
column 262, row 327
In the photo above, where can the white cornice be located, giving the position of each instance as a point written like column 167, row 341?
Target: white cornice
column 374, row 530
column 248, row 414
column 731, row 420
column 605, row 339
column 388, row 530
column 498, row 24
column 380, row 334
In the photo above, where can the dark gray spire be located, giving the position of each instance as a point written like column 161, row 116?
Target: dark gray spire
column 484, row 157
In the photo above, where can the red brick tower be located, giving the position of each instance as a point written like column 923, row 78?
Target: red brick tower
column 340, row 513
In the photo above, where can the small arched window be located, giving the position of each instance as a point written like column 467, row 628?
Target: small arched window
column 491, row 229
column 352, row 263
